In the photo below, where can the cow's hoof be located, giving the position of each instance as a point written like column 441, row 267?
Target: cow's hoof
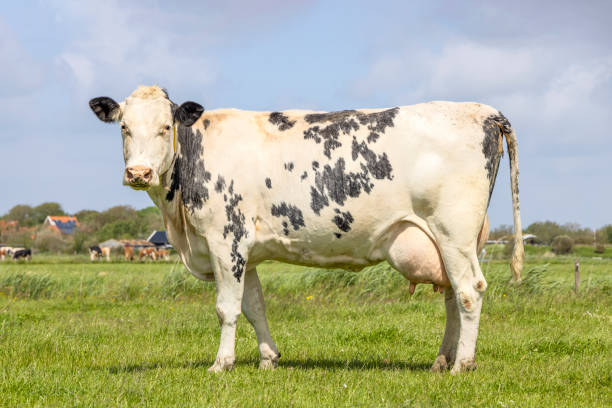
column 268, row 364
column 220, row 365
column 440, row 364
column 464, row 365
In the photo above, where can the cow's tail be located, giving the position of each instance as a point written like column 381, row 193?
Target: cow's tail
column 518, row 254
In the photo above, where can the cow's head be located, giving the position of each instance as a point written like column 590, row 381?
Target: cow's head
column 148, row 119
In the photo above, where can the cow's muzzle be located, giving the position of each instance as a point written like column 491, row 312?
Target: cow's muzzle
column 138, row 177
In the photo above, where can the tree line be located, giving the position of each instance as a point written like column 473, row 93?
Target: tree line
column 124, row 222
column 547, row 231
column 119, row 222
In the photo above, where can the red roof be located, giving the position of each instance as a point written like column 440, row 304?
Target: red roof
column 63, row 218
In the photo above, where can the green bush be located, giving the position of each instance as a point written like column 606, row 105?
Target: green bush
column 562, row 244
column 599, row 248
column 48, row 240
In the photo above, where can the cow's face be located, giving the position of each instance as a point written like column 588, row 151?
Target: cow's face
column 148, row 120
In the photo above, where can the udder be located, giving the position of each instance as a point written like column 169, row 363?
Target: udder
column 415, row 256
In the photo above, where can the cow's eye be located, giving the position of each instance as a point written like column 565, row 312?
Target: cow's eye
column 167, row 128
column 123, row 127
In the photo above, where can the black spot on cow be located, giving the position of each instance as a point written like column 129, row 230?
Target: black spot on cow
column 189, row 173
column 281, row 120
column 304, row 175
column 289, row 166
column 337, row 185
column 343, row 220
column 494, row 128
column 237, row 226
column 268, row 182
column 206, row 123
column 338, row 235
column 338, row 116
column 345, row 123
column 318, row 200
column 341, row 123
column 378, row 164
column 315, row 165
column 294, row 215
column 377, row 122
column 220, row 184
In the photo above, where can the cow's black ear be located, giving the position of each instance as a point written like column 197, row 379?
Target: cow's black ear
column 105, row 108
column 188, row 113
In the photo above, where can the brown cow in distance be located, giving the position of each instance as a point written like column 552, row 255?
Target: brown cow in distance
column 163, row 254
column 147, row 253
column 128, row 253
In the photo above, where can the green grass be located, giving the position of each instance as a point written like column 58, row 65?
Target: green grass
column 143, row 334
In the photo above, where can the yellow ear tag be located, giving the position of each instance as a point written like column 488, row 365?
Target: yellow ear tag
column 174, row 145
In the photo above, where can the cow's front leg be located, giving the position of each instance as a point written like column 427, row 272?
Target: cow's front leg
column 254, row 309
column 229, row 299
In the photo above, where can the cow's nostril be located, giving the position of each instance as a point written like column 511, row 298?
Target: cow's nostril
column 147, row 174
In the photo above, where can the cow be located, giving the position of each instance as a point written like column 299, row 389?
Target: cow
column 163, row 254
column 147, row 253
column 5, row 251
column 95, row 252
column 24, row 253
column 128, row 253
column 342, row 189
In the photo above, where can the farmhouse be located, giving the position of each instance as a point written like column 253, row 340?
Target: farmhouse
column 64, row 224
column 159, row 239
column 530, row 239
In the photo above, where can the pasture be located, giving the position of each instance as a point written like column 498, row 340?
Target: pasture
column 118, row 334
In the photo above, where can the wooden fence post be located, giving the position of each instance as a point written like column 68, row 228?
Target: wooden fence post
column 576, row 276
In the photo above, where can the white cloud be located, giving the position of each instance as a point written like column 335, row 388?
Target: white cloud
column 534, row 85
column 81, row 68
column 124, row 44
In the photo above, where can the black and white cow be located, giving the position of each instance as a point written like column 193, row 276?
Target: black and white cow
column 95, row 252
column 409, row 185
column 23, row 253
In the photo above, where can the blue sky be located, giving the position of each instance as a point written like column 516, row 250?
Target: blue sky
column 546, row 66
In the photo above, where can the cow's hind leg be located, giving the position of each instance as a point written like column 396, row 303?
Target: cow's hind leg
column 469, row 285
column 448, row 349
column 455, row 230
column 254, row 309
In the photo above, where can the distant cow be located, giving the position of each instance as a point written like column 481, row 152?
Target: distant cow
column 163, row 254
column 5, row 251
column 95, row 252
column 147, row 253
column 23, row 253
column 128, row 253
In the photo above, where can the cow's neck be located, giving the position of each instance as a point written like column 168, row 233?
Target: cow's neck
column 158, row 195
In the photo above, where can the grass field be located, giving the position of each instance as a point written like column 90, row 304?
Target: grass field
column 82, row 334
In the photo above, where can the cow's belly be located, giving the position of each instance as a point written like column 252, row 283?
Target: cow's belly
column 407, row 248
